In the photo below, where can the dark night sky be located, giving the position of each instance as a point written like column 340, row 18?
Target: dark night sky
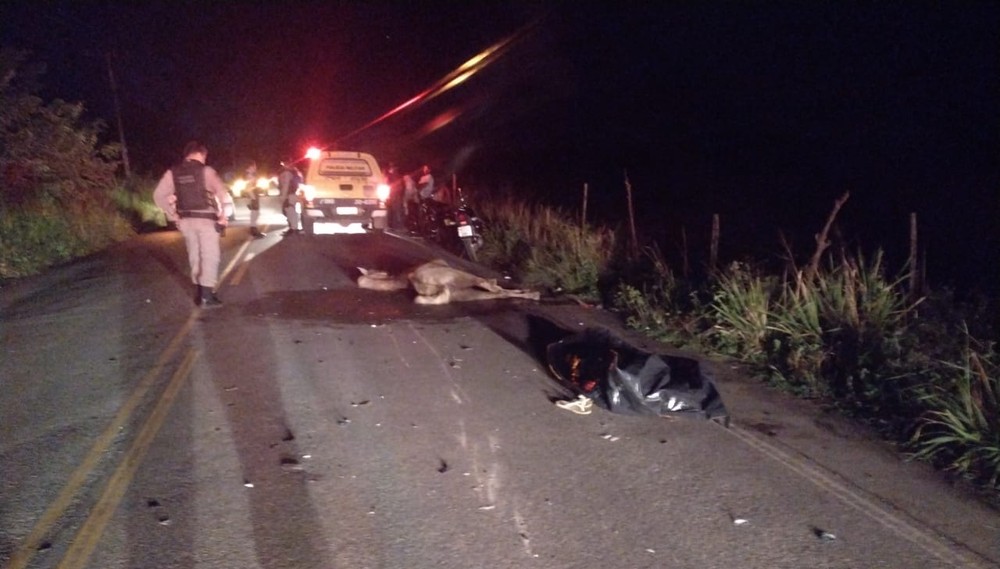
column 762, row 112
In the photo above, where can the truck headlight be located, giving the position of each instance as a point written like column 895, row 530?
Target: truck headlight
column 382, row 192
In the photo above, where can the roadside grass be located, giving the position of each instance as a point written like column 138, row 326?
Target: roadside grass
column 134, row 200
column 960, row 431
column 47, row 232
column 842, row 332
column 541, row 248
column 59, row 196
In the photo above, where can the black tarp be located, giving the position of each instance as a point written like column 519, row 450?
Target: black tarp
column 624, row 379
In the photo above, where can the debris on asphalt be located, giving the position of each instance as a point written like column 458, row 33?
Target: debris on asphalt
column 248, row 484
column 823, row 534
column 360, row 403
column 443, row 467
column 740, row 521
column 582, row 405
column 490, row 507
column 627, row 380
column 343, row 421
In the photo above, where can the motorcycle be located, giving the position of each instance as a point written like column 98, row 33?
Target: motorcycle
column 457, row 228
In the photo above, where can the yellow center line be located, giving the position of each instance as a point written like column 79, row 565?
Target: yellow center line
column 232, row 263
column 27, row 549
column 242, row 270
column 93, row 528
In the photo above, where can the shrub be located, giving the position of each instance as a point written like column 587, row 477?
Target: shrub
column 740, row 311
column 135, row 202
column 542, row 248
column 57, row 179
column 961, row 429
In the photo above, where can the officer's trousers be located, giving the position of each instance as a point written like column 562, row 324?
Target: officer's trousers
column 203, row 249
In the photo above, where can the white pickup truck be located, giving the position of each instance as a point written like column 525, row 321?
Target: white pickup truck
column 343, row 188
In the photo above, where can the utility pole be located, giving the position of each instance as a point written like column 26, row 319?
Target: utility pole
column 118, row 115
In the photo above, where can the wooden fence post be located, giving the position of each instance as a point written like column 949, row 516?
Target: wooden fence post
column 634, row 245
column 684, row 253
column 583, row 216
column 916, row 287
column 713, row 257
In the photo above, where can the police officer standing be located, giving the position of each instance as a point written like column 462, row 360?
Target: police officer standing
column 250, row 176
column 288, row 184
column 396, row 205
column 191, row 194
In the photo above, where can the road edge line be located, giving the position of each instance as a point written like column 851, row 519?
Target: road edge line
column 886, row 515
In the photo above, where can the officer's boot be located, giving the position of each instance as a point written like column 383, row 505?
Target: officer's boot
column 208, row 298
column 197, row 295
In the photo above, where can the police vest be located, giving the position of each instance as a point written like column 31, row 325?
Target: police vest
column 189, row 187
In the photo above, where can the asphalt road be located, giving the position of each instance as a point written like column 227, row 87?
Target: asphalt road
column 311, row 424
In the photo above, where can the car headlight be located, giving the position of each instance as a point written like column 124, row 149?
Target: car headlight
column 382, row 192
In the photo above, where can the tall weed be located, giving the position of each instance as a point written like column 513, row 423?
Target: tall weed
column 796, row 347
column 962, row 428
column 741, row 310
column 134, row 201
column 865, row 315
column 49, row 233
column 542, row 248
column 652, row 299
